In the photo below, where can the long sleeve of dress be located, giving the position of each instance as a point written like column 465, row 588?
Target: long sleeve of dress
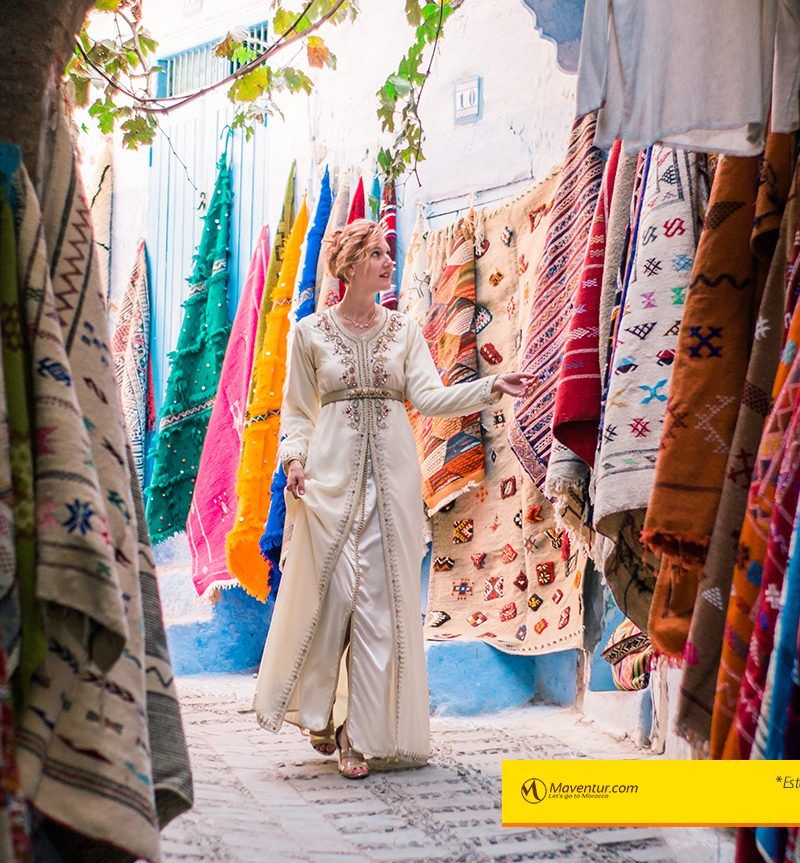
column 300, row 402
column 427, row 393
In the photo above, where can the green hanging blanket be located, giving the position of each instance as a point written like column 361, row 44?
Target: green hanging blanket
column 195, row 367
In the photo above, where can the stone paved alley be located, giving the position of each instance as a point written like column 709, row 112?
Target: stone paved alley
column 262, row 798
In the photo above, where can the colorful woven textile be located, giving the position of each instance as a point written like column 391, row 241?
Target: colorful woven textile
column 664, row 240
column 214, row 501
column 577, row 412
column 328, row 286
column 753, row 538
column 769, row 742
column 787, row 492
column 415, row 291
column 358, row 210
column 375, row 198
column 195, row 367
column 22, row 647
column 272, row 538
column 718, row 325
column 451, row 450
column 357, row 203
column 617, row 243
column 388, row 220
column 501, row 570
column 91, row 700
column 308, row 286
column 284, row 227
column 530, row 431
column 708, row 376
column 567, row 478
column 704, row 644
column 15, row 845
column 261, row 425
column 76, row 566
column 130, row 348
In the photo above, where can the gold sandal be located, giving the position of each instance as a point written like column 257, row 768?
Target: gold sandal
column 324, row 739
column 350, row 754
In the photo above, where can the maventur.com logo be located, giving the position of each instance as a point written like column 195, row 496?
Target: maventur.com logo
column 534, row 790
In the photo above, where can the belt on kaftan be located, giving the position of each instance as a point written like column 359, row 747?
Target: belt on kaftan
column 362, row 393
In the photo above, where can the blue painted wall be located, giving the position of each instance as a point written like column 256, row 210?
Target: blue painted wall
column 232, row 640
column 560, row 21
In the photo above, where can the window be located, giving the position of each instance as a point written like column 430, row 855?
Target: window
column 198, row 67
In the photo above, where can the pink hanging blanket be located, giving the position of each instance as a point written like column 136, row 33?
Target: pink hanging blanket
column 214, row 503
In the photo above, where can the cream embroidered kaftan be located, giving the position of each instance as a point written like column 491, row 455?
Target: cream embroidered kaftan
column 352, row 569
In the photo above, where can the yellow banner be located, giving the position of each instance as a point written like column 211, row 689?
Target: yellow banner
column 651, row 793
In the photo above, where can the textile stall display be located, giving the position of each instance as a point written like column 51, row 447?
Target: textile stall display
column 81, row 616
column 261, row 425
column 721, row 309
column 23, row 626
column 282, row 231
column 576, row 414
column 766, row 373
column 195, row 367
column 654, row 284
column 130, row 348
column 214, row 500
column 653, row 293
column 558, row 273
column 450, row 450
column 500, row 571
column 415, row 291
column 304, row 304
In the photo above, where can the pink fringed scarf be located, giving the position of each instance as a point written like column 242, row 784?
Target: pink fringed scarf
column 214, row 503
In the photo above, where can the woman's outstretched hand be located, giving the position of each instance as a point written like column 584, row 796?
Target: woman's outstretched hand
column 516, row 384
column 296, row 479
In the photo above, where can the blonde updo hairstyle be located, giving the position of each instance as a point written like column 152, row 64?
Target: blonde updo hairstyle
column 350, row 246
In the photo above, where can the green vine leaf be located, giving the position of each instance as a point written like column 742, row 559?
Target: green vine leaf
column 138, row 131
column 399, row 97
column 251, row 86
column 114, row 76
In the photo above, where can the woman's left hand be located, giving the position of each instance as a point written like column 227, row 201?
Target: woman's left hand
column 516, row 384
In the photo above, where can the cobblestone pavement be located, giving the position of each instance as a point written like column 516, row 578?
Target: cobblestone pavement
column 264, row 798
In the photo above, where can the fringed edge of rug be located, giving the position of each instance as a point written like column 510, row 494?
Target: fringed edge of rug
column 157, row 537
column 582, row 535
column 218, row 584
column 701, row 744
column 560, row 487
column 687, row 550
column 453, row 496
column 236, row 542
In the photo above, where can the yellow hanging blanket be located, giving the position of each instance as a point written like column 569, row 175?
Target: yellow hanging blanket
column 262, row 420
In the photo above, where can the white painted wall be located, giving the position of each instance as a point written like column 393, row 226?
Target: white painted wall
column 528, row 105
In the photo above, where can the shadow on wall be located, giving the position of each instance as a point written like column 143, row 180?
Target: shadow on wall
column 560, row 21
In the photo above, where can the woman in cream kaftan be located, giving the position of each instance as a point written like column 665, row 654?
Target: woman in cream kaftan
column 352, row 568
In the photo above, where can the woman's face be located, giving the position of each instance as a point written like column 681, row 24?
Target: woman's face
column 374, row 274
